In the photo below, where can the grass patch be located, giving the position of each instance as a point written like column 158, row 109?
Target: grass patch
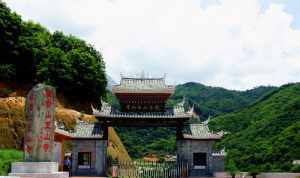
column 8, row 156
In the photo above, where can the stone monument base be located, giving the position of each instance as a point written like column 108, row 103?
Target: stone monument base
column 41, row 175
column 37, row 170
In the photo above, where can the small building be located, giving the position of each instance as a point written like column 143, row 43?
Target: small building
column 88, row 149
column 196, row 147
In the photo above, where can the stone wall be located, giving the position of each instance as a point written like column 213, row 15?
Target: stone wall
column 98, row 157
column 57, row 152
column 218, row 163
column 279, row 175
column 261, row 175
column 185, row 150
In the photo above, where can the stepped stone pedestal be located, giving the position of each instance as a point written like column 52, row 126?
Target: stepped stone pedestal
column 37, row 170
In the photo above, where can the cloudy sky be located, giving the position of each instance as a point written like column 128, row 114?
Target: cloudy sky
column 236, row 44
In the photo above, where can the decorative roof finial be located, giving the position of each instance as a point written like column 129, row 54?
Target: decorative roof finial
column 182, row 103
column 191, row 111
column 207, row 120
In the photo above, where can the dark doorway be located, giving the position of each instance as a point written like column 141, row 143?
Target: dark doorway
column 199, row 159
column 84, row 160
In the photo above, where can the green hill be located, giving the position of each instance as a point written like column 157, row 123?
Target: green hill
column 30, row 54
column 216, row 100
column 265, row 134
column 207, row 100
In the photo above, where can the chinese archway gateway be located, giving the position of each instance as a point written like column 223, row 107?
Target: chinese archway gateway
column 143, row 104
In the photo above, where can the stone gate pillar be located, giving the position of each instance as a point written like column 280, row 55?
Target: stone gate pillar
column 103, row 148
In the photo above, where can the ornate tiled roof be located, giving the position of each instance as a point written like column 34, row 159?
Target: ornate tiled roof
column 179, row 108
column 176, row 112
column 166, row 114
column 87, row 130
column 83, row 130
column 200, row 131
column 143, row 85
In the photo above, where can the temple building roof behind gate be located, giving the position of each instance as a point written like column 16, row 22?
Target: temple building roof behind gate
column 143, row 85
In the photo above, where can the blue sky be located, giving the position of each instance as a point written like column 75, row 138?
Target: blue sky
column 229, row 43
column 291, row 6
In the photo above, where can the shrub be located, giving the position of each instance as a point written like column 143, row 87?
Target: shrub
column 8, row 156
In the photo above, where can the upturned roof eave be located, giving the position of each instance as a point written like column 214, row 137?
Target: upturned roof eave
column 62, row 132
column 188, row 137
column 100, row 114
column 87, row 137
column 71, row 135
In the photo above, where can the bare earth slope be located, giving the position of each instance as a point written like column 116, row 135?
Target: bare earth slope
column 12, row 125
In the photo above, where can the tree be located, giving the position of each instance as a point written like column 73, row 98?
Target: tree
column 55, row 69
column 10, row 29
column 32, row 50
column 31, row 54
column 7, row 72
column 87, row 73
column 253, row 171
column 67, row 43
column 231, row 168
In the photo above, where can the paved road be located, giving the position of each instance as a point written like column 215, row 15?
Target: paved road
column 86, row 177
column 105, row 177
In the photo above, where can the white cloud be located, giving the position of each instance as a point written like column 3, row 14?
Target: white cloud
column 230, row 43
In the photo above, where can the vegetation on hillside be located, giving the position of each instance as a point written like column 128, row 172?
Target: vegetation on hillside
column 207, row 101
column 141, row 142
column 30, row 54
column 213, row 101
column 264, row 136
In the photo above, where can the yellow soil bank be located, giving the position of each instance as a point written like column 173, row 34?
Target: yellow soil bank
column 12, row 125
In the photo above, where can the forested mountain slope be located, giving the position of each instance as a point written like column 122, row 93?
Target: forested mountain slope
column 207, row 100
column 216, row 100
column 265, row 134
